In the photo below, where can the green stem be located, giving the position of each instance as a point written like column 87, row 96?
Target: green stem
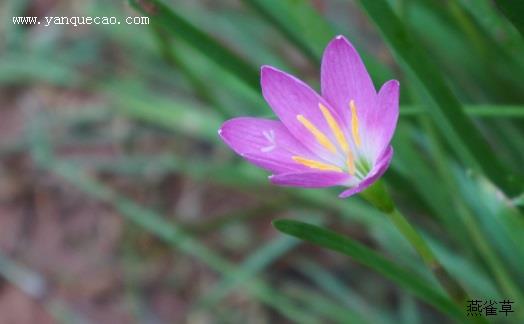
column 413, row 237
column 379, row 197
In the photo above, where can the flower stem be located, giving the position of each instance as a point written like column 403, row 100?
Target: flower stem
column 413, row 237
column 379, row 197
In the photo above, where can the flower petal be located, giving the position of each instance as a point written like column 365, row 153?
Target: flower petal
column 382, row 122
column 344, row 78
column 310, row 179
column 297, row 106
column 377, row 172
column 265, row 143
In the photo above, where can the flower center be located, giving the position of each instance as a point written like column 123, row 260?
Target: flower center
column 362, row 168
column 355, row 165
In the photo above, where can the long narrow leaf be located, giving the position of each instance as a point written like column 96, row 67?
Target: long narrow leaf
column 513, row 10
column 364, row 255
column 181, row 28
column 309, row 31
column 448, row 114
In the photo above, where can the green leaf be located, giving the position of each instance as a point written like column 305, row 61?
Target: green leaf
column 299, row 22
column 309, row 31
column 364, row 255
column 493, row 72
column 179, row 27
column 448, row 114
column 501, row 224
column 20, row 68
column 258, row 261
column 455, row 180
column 485, row 111
column 41, row 151
column 495, row 24
column 333, row 286
column 513, row 10
column 185, row 117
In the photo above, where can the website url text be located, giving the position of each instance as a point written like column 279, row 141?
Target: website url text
column 77, row 21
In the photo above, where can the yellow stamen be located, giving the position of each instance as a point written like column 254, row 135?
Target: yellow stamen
column 335, row 128
column 350, row 163
column 319, row 136
column 354, row 123
column 316, row 164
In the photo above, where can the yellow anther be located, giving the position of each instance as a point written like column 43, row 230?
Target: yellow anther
column 335, row 128
column 319, row 136
column 354, row 123
column 316, row 164
column 350, row 162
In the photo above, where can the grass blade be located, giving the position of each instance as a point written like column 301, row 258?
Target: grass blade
column 344, row 294
column 309, row 31
column 181, row 28
column 364, row 255
column 254, row 264
column 448, row 114
column 513, row 11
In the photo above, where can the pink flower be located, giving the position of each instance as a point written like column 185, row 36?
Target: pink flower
column 341, row 138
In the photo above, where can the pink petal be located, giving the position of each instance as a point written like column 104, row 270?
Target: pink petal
column 265, row 143
column 319, row 179
column 344, row 78
column 381, row 124
column 289, row 98
column 374, row 175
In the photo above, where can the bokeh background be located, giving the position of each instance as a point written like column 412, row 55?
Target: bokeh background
column 119, row 203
